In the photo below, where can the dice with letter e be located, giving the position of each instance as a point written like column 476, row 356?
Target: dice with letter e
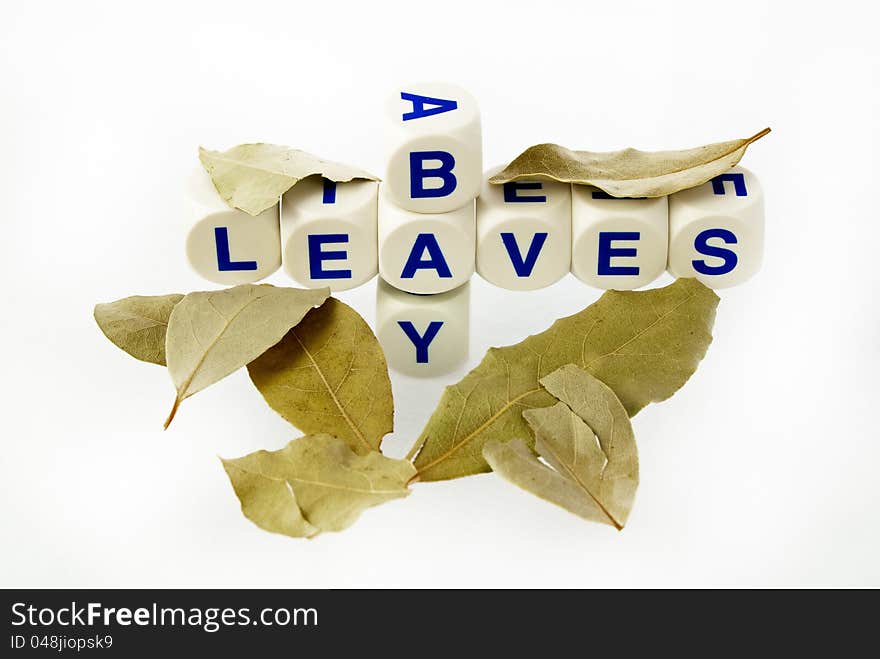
column 716, row 230
column 425, row 252
column 328, row 233
column 226, row 245
column 617, row 243
column 523, row 233
column 434, row 148
column 423, row 335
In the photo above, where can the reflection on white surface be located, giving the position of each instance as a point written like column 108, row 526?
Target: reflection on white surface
column 423, row 335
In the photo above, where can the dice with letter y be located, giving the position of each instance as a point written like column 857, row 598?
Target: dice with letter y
column 423, row 335
column 226, row 245
column 328, row 233
column 434, row 148
column 523, row 233
column 617, row 243
column 716, row 230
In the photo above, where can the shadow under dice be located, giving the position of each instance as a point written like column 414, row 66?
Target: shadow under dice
column 225, row 245
column 328, row 233
column 523, row 232
column 423, row 335
column 434, row 145
column 716, row 230
column 617, row 243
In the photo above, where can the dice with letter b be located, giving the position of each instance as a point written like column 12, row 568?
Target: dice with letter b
column 618, row 243
column 328, row 233
column 716, row 230
column 523, row 233
column 225, row 245
column 434, row 145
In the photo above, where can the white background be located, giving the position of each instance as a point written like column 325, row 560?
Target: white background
column 763, row 470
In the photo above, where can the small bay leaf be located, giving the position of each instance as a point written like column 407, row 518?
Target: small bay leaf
column 643, row 344
column 328, row 374
column 252, row 177
column 211, row 334
column 315, row 483
column 629, row 172
column 137, row 324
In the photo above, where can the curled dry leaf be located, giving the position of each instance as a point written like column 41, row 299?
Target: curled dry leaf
column 643, row 344
column 315, row 483
column 630, row 172
column 329, row 374
column 211, row 334
column 588, row 442
column 252, row 177
column 137, row 324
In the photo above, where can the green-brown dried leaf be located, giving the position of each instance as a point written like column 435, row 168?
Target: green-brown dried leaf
column 329, row 374
column 630, row 172
column 252, row 177
column 211, row 334
column 315, row 483
column 643, row 344
column 137, row 324
column 587, row 440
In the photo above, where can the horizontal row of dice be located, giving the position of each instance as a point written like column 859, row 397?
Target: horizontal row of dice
column 522, row 235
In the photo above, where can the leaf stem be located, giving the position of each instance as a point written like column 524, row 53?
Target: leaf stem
column 172, row 414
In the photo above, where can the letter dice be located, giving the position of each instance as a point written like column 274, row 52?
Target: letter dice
column 523, row 233
column 225, row 245
column 423, row 335
column 716, row 230
column 422, row 252
column 618, row 243
column 328, row 233
column 434, row 143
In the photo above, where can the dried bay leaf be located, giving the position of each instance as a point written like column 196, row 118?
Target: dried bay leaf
column 317, row 479
column 211, row 334
column 605, row 473
column 629, row 172
column 252, row 177
column 137, row 324
column 643, row 344
column 329, row 374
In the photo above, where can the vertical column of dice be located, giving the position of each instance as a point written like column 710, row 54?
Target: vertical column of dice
column 617, row 243
column 427, row 226
column 225, row 245
column 523, row 233
column 716, row 230
column 328, row 233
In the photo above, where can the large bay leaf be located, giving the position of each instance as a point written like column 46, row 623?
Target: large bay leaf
column 315, row 483
column 630, row 172
column 211, row 334
column 602, row 475
column 252, row 177
column 643, row 344
column 329, row 374
column 137, row 324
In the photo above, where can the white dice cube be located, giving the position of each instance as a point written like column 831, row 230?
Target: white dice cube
column 328, row 233
column 716, row 230
column 617, row 243
column 523, row 233
column 423, row 335
column 434, row 146
column 225, row 245
column 425, row 252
